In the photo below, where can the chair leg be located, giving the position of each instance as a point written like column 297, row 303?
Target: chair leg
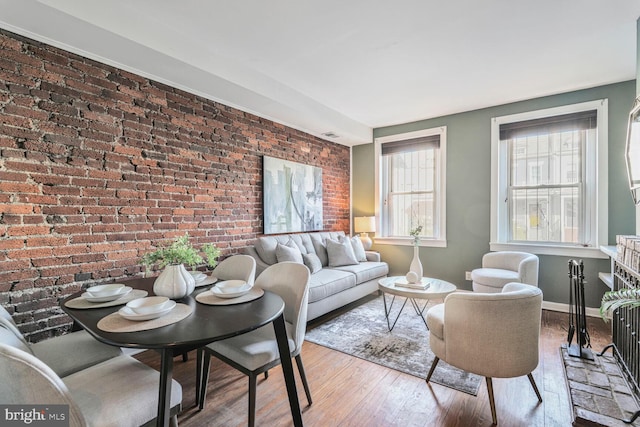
column 535, row 387
column 204, row 378
column 252, row 399
column 492, row 402
column 303, row 376
column 433, row 368
column 266, row 374
column 199, row 357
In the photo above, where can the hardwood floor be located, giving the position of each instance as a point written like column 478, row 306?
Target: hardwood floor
column 348, row 391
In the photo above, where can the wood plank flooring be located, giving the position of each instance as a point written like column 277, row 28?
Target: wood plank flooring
column 348, row 391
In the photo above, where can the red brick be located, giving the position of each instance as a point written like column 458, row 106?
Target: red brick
column 120, row 163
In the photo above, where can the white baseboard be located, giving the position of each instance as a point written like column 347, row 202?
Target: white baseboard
column 564, row 308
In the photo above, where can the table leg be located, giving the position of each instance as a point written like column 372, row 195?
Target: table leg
column 387, row 310
column 287, row 369
column 164, row 396
column 420, row 311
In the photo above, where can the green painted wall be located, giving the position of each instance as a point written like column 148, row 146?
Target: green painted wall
column 468, row 192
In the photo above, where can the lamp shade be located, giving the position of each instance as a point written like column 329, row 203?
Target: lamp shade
column 364, row 224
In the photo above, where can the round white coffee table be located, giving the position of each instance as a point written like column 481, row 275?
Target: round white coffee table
column 437, row 289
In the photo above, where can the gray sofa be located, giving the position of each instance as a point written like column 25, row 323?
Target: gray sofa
column 332, row 285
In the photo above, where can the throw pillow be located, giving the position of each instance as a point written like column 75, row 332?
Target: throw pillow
column 358, row 249
column 340, row 253
column 287, row 253
column 321, row 251
column 313, row 262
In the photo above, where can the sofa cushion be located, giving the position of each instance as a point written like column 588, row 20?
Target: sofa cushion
column 329, row 281
column 340, row 253
column 494, row 277
column 321, row 250
column 288, row 253
column 312, row 262
column 358, row 249
column 365, row 271
column 266, row 248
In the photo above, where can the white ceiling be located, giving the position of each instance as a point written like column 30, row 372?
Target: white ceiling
column 348, row 66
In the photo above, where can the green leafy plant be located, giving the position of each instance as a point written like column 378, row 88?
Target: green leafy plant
column 613, row 300
column 415, row 233
column 181, row 251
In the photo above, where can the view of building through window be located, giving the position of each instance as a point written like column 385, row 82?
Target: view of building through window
column 546, row 181
column 410, row 201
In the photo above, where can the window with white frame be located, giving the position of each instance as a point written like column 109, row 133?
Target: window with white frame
column 411, row 187
column 549, row 180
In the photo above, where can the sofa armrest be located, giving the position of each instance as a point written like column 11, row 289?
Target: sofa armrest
column 260, row 264
column 372, row 256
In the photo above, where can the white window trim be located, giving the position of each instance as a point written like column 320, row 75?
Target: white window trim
column 440, row 242
column 598, row 196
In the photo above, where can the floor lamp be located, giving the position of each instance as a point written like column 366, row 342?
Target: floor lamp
column 365, row 225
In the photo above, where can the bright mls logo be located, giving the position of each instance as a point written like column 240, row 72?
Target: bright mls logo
column 34, row 415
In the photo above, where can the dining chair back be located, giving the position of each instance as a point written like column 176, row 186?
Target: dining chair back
column 236, row 267
column 256, row 352
column 291, row 283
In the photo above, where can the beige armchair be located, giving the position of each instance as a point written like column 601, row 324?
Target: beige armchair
column 500, row 268
column 490, row 334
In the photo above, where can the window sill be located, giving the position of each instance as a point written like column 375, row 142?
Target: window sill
column 398, row 241
column 538, row 249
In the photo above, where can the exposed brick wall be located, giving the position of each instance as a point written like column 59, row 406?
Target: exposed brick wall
column 98, row 165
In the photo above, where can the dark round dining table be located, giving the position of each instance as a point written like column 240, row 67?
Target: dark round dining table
column 206, row 324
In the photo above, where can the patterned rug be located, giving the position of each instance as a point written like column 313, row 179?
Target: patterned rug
column 362, row 332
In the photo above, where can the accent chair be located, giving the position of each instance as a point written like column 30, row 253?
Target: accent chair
column 500, row 268
column 495, row 335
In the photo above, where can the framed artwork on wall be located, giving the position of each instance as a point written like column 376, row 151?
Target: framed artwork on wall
column 292, row 195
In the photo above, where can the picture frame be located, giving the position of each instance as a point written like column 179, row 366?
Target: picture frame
column 292, row 196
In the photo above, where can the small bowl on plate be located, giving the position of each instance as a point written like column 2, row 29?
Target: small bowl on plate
column 198, row 276
column 231, row 286
column 148, row 305
column 105, row 290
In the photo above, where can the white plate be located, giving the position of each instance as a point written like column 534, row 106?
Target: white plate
column 198, row 276
column 246, row 288
column 207, row 281
column 108, row 298
column 129, row 314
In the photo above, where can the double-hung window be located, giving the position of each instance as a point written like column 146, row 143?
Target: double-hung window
column 410, row 181
column 549, row 180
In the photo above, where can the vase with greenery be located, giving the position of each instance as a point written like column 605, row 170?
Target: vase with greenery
column 175, row 281
column 416, row 265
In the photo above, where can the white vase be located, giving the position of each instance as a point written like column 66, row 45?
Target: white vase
column 416, row 265
column 174, row 282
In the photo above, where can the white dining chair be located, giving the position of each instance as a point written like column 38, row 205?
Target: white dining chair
column 120, row 391
column 235, row 267
column 256, row 352
column 67, row 353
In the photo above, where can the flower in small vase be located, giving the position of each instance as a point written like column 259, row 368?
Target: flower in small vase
column 415, row 233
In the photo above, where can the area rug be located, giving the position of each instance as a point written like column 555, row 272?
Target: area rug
column 362, row 332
